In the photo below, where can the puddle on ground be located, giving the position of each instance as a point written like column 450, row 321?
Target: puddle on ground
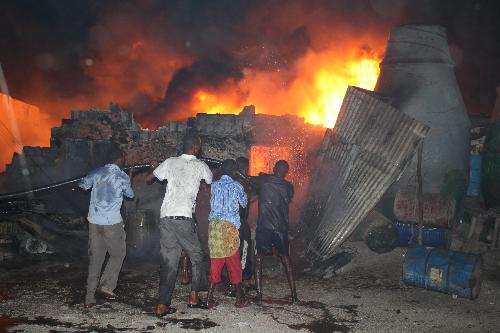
column 327, row 323
column 196, row 324
column 322, row 326
column 11, row 322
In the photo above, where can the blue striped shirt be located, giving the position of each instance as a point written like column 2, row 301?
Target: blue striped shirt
column 227, row 197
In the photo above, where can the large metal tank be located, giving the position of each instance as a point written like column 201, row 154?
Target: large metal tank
column 417, row 73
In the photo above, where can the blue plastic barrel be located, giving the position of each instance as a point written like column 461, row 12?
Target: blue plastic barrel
column 431, row 236
column 474, row 188
column 442, row 270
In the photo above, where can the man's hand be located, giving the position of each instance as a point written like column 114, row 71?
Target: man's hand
column 151, row 177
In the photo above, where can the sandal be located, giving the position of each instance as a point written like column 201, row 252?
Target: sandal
column 242, row 303
column 108, row 295
column 163, row 310
column 209, row 305
column 199, row 305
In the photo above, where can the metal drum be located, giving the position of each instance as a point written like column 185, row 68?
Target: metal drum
column 474, row 189
column 431, row 236
column 445, row 271
column 139, row 227
column 438, row 209
column 378, row 233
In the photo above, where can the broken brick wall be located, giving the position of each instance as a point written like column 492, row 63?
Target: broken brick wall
column 80, row 145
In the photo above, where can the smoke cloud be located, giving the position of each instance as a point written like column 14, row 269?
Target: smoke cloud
column 153, row 56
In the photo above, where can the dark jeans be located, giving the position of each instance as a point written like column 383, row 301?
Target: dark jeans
column 176, row 235
column 104, row 239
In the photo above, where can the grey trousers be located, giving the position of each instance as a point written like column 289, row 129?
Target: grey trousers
column 176, row 235
column 104, row 239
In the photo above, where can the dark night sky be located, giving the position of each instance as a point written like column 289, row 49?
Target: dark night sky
column 43, row 42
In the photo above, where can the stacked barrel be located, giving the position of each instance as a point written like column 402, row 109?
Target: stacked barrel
column 438, row 214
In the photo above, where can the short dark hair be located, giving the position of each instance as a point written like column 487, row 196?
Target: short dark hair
column 281, row 167
column 242, row 162
column 114, row 153
column 190, row 140
column 229, row 167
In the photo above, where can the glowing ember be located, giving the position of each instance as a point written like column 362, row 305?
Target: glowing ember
column 263, row 158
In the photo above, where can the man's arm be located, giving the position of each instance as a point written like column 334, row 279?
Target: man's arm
column 256, row 182
column 127, row 187
column 242, row 196
column 87, row 182
column 151, row 175
column 206, row 175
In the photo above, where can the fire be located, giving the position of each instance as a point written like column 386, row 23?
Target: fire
column 316, row 94
column 204, row 101
column 21, row 124
column 135, row 71
column 330, row 85
column 263, row 158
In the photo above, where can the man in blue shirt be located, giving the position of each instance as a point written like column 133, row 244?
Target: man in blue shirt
column 106, row 230
column 223, row 236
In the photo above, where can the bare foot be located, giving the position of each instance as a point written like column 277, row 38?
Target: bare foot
column 242, row 302
column 163, row 310
column 210, row 304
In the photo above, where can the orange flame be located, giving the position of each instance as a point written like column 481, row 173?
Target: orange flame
column 263, row 158
column 316, row 94
column 330, row 85
column 204, row 101
column 21, row 124
column 312, row 87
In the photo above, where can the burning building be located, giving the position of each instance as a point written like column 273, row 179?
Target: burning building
column 80, row 144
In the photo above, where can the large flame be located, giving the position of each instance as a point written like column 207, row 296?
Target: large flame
column 316, row 94
column 312, row 87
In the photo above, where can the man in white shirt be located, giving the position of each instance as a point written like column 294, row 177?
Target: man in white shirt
column 177, row 226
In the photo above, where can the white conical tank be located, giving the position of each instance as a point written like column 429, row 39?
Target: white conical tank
column 417, row 74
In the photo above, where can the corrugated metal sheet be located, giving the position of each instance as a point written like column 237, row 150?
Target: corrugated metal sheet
column 370, row 147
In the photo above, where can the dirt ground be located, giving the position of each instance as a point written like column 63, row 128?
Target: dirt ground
column 45, row 294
